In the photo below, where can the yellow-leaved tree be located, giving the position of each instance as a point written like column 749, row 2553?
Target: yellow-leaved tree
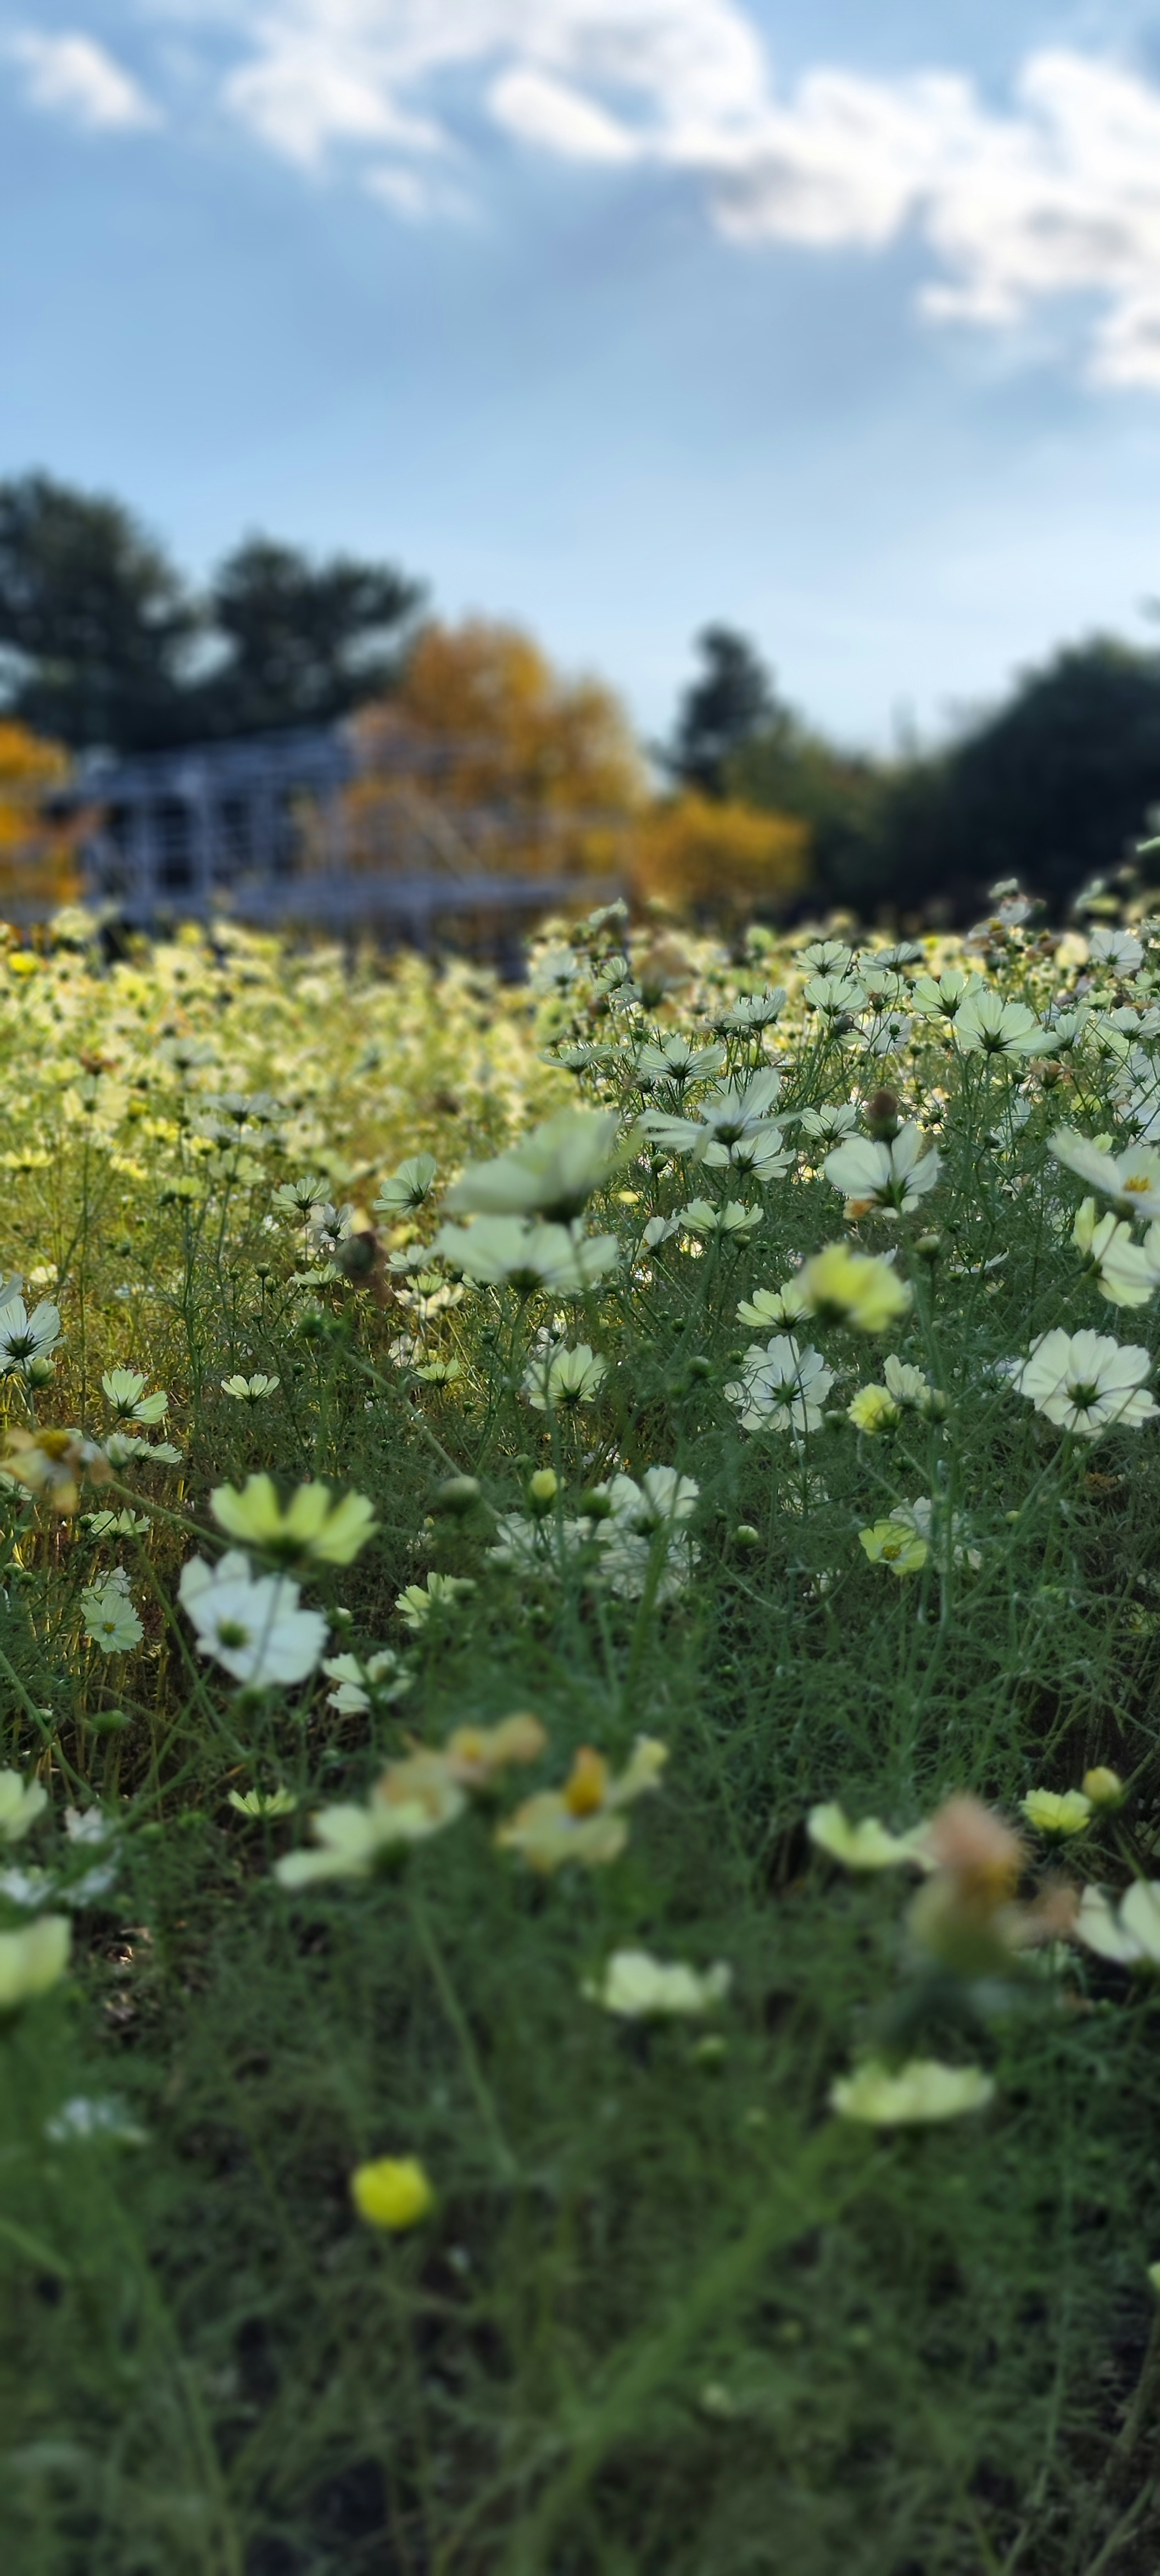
column 487, row 757
column 719, row 858
column 39, row 850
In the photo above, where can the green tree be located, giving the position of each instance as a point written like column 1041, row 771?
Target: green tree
column 95, row 624
column 304, row 642
column 732, row 702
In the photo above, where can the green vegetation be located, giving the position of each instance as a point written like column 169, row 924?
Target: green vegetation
column 576, row 2148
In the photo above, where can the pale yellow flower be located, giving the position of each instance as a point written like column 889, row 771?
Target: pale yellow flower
column 873, row 1409
column 637, row 1987
column 52, row 1463
column 860, row 1289
column 895, row 1543
column 1055, row 1814
column 309, row 1527
column 921, row 2091
column 33, row 1959
column 21, row 1802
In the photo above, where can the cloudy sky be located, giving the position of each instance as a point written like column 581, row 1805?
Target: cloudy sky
column 840, row 324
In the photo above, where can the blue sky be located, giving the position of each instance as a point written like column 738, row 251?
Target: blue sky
column 615, row 316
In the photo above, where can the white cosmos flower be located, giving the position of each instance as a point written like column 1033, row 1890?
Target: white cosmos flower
column 363, row 1679
column 922, row 2090
column 552, row 1173
column 1119, row 950
column 109, row 1617
column 987, row 1025
column 125, row 1391
column 498, row 1249
column 783, row 1388
column 251, row 1623
column 1124, row 1272
column 25, row 1337
column 1131, row 1180
column 21, row 1802
column 250, row 1390
column 892, row 1178
column 825, row 957
column 701, row 1217
column 1087, row 1382
column 1129, row 1935
column 827, row 1124
column 941, row 996
column 408, row 1188
column 637, row 1987
column 676, row 1059
column 557, row 1381
column 736, row 1115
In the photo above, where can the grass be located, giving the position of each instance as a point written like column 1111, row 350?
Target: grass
column 669, row 2314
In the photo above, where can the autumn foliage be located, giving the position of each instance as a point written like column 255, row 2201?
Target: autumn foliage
column 38, row 853
column 488, row 756
column 715, row 857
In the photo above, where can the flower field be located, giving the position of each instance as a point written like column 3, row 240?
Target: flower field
column 579, row 1640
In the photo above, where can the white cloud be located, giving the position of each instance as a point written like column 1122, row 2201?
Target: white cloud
column 1055, row 195
column 72, row 76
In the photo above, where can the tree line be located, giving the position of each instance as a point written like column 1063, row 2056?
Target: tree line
column 104, row 644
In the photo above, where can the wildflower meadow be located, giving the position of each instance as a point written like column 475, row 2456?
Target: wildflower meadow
column 579, row 1638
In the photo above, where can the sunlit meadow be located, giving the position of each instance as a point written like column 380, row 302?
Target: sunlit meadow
column 579, row 1917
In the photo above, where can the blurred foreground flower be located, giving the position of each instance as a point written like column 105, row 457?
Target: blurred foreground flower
column 861, row 1289
column 504, row 1250
column 867, row 1845
column 392, row 2192
column 1130, row 1935
column 251, row 1623
column 1129, row 1181
column 887, row 1179
column 33, row 1960
column 52, row 1463
column 310, row 1528
column 440, row 1592
column 583, row 1820
column 921, row 2091
column 414, row 1798
column 552, row 1173
column 21, row 1802
column 638, row 1987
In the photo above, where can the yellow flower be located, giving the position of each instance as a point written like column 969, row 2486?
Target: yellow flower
column 867, row 1845
column 922, row 2090
column 1057, row 1815
column 392, row 2192
column 310, row 1526
column 842, row 1286
column 873, row 1409
column 583, row 1820
column 896, row 1544
column 33, row 1960
column 1103, row 1788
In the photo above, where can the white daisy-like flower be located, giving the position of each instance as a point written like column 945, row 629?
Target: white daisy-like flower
column 923, row 2090
column 1130, row 1181
column 729, row 1123
column 831, row 1122
column 987, row 1025
column 701, row 1217
column 1118, row 950
column 825, row 956
column 109, row 1617
column 637, row 1987
column 1130, row 1933
column 942, row 996
column 252, row 1624
column 440, row 1592
column 363, row 1679
column 499, row 1250
column 783, row 1388
column 552, row 1173
column 408, row 1188
column 1123, row 1270
column 835, row 997
column 26, row 1337
column 556, row 1381
column 676, row 1059
column 889, row 1178
column 21, row 1802
column 125, row 1393
column 250, row 1390
column 1086, row 1382
column 753, row 1010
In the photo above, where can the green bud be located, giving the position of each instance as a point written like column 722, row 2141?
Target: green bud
column 457, row 1494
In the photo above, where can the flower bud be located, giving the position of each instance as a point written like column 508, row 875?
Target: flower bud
column 882, row 1116
column 1104, row 1788
column 458, row 1494
column 746, row 1536
column 40, row 1372
column 543, row 1489
column 929, row 1247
